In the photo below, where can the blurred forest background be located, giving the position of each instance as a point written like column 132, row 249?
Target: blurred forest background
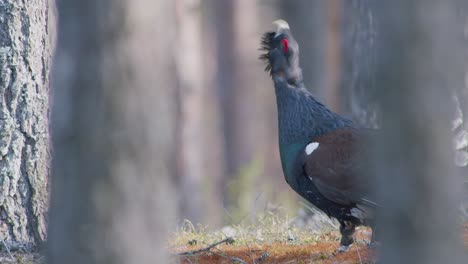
column 227, row 141
column 227, row 136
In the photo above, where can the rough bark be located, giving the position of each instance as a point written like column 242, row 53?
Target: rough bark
column 419, row 66
column 113, row 132
column 25, row 52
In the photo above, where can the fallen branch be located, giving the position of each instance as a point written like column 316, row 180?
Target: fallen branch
column 228, row 240
column 233, row 259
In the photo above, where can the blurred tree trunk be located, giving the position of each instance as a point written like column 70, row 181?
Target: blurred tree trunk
column 333, row 58
column 307, row 20
column 461, row 128
column 190, row 124
column 316, row 26
column 234, row 81
column 113, row 132
column 461, row 101
column 200, row 159
column 419, row 67
column 214, row 163
column 359, row 43
column 239, row 71
column 25, row 51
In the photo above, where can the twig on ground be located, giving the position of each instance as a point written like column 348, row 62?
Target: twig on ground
column 262, row 257
column 188, row 259
column 236, row 259
column 228, row 240
column 359, row 254
column 7, row 249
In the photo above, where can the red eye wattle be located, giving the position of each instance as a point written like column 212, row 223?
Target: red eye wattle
column 285, row 45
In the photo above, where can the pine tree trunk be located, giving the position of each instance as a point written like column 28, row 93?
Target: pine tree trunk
column 190, row 147
column 199, row 137
column 237, row 42
column 113, row 124
column 307, row 20
column 461, row 98
column 359, row 60
column 25, row 52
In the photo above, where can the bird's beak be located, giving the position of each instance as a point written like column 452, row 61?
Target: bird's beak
column 281, row 26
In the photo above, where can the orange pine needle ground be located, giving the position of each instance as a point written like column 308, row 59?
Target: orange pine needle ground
column 323, row 252
column 282, row 253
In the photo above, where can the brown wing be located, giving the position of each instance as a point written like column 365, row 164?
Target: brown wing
column 334, row 165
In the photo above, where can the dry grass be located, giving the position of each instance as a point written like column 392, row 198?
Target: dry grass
column 268, row 227
column 271, row 239
column 21, row 258
column 323, row 250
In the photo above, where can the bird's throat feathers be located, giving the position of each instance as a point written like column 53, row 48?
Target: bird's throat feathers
column 300, row 116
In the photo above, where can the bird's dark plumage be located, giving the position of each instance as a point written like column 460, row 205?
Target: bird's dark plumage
column 321, row 151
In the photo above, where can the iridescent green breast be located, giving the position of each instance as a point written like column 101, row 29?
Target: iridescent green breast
column 289, row 161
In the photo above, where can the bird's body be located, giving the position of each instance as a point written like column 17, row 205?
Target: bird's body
column 321, row 151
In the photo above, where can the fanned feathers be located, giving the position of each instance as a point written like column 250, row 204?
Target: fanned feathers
column 265, row 45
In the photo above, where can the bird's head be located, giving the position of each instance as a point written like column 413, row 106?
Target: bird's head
column 281, row 53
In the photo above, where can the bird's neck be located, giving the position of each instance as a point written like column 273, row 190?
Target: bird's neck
column 300, row 116
column 294, row 73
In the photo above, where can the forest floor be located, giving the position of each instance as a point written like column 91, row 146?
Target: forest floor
column 266, row 246
column 323, row 250
column 318, row 249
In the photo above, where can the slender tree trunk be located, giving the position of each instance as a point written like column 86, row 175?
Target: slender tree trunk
column 113, row 132
column 308, row 23
column 190, row 77
column 25, row 52
column 241, row 98
column 236, row 49
column 317, row 26
column 199, row 147
column 333, row 59
column 359, row 60
column 419, row 67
